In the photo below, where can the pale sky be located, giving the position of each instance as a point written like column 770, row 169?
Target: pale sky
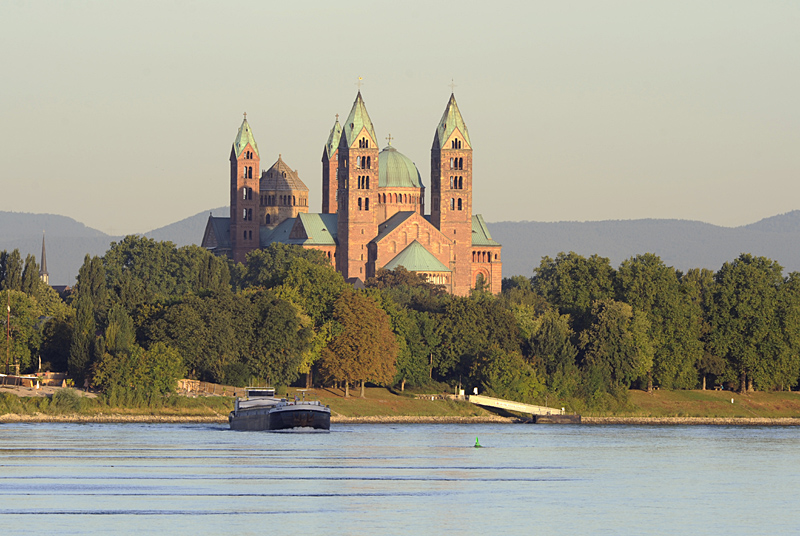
column 122, row 114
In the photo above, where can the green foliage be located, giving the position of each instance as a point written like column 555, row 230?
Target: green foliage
column 470, row 326
column 10, row 270
column 506, row 375
column 746, row 322
column 82, row 346
column 269, row 267
column 650, row 287
column 67, row 401
column 409, row 289
column 25, row 333
column 616, row 345
column 572, row 283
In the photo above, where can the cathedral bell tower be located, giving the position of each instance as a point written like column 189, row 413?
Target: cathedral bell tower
column 357, row 191
column 451, row 191
column 245, row 174
column 330, row 166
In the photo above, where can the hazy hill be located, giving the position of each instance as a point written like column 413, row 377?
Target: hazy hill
column 680, row 243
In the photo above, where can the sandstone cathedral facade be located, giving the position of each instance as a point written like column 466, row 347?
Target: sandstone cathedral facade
column 373, row 207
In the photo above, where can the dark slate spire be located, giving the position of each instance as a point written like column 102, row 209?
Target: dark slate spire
column 43, row 275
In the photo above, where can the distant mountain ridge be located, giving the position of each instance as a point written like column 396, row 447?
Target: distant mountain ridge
column 683, row 244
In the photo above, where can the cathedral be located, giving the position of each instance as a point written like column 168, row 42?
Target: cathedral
column 373, row 207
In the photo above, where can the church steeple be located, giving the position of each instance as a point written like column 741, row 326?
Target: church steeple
column 357, row 191
column 451, row 191
column 245, row 174
column 43, row 275
column 330, row 161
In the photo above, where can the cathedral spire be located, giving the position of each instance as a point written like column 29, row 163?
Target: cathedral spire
column 243, row 137
column 451, row 120
column 43, row 275
column 357, row 121
column 334, row 138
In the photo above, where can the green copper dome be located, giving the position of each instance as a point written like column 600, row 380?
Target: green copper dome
column 397, row 170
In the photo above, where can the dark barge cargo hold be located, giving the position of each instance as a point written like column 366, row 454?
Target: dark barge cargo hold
column 260, row 410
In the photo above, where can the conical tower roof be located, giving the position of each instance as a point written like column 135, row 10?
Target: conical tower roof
column 43, row 265
column 451, row 120
column 243, row 137
column 281, row 177
column 334, row 138
column 358, row 119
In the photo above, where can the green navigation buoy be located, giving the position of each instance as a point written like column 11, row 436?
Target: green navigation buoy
column 477, row 443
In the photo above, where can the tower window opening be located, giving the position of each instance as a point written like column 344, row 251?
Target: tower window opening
column 294, row 201
column 244, row 235
column 459, row 203
column 359, row 203
column 451, row 183
column 461, row 183
column 366, row 203
column 452, row 203
column 266, row 220
column 451, row 163
column 249, row 235
column 368, row 162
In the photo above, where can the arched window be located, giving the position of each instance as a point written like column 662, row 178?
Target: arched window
column 244, row 235
column 451, row 183
column 368, row 163
column 461, row 183
column 250, row 235
column 473, row 256
column 359, row 203
column 250, row 172
column 366, row 203
column 367, row 177
column 451, row 163
column 459, row 203
column 294, row 201
column 244, row 214
column 452, row 203
column 266, row 220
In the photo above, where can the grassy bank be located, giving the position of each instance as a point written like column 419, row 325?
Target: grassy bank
column 390, row 406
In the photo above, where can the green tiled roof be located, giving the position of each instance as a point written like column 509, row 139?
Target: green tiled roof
column 320, row 230
column 450, row 121
column 415, row 258
column 396, row 169
column 358, row 119
column 244, row 137
column 333, row 139
column 480, row 233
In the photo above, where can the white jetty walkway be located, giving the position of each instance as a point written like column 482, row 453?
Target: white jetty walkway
column 519, row 407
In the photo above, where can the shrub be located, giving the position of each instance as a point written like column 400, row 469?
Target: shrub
column 67, row 401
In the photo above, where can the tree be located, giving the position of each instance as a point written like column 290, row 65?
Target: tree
column 83, row 338
column 91, row 284
column 572, row 283
column 649, row 286
column 469, row 326
column 552, row 347
column 268, row 267
column 365, row 348
column 506, row 375
column 616, row 344
column 25, row 335
column 745, row 322
column 11, row 270
column 281, row 340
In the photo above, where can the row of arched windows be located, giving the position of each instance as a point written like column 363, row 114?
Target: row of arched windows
column 247, row 172
column 247, row 235
column 366, row 203
column 455, row 144
column 364, row 162
column 363, row 182
column 457, row 163
column 247, row 193
column 398, row 198
column 283, row 200
column 453, row 203
column 456, row 183
column 248, row 155
column 483, row 256
column 363, row 143
column 247, row 214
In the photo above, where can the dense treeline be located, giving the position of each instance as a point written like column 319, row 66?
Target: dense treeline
column 577, row 333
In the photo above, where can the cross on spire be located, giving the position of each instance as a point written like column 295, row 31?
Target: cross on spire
column 245, row 116
column 452, row 86
column 359, row 83
column 337, row 118
column 389, row 139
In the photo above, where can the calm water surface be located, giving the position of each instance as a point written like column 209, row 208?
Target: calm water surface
column 399, row 479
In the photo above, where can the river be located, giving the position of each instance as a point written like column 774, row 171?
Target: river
column 410, row 479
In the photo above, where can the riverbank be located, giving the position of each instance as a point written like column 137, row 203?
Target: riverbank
column 386, row 406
